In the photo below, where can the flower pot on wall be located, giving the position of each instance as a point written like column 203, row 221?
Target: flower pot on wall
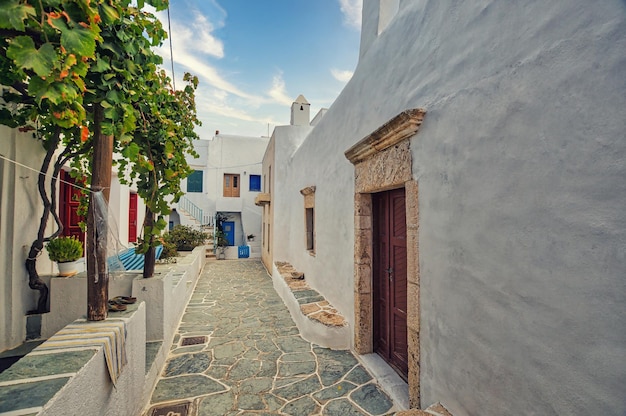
column 67, row 268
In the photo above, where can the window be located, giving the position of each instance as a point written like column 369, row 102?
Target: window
column 231, row 185
column 194, row 181
column 309, row 218
column 310, row 229
column 255, row 183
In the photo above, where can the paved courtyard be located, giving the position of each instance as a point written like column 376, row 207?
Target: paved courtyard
column 250, row 359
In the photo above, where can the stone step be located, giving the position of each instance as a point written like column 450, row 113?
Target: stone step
column 313, row 305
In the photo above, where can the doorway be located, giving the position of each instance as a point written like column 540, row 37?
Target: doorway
column 229, row 232
column 132, row 218
column 68, row 208
column 390, row 279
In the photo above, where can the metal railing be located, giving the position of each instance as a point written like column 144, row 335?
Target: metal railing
column 203, row 218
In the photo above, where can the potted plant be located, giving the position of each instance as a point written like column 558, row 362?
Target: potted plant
column 221, row 244
column 65, row 251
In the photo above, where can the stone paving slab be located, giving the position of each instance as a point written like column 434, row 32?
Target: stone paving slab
column 254, row 361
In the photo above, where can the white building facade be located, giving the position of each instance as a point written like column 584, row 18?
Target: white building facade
column 467, row 210
column 226, row 180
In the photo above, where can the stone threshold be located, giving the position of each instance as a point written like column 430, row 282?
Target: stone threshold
column 313, row 305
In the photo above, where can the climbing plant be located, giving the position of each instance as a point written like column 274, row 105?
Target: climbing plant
column 76, row 72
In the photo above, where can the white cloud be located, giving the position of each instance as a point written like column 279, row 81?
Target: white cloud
column 278, row 91
column 189, row 44
column 352, row 10
column 341, row 75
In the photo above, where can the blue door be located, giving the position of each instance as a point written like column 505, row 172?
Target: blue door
column 229, row 231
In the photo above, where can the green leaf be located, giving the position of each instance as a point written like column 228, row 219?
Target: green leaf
column 161, row 224
column 23, row 52
column 131, row 151
column 80, row 41
column 13, row 14
column 108, row 14
column 101, row 64
column 113, row 97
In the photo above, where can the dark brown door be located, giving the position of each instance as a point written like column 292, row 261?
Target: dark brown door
column 390, row 285
column 68, row 205
column 132, row 218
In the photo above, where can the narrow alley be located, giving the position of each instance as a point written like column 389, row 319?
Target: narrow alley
column 238, row 352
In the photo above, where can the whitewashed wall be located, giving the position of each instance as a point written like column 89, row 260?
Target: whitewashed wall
column 236, row 155
column 521, row 164
column 20, row 210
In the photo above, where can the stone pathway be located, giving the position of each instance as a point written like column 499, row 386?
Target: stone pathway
column 248, row 358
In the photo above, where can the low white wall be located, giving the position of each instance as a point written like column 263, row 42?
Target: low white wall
column 90, row 391
column 161, row 303
column 68, row 299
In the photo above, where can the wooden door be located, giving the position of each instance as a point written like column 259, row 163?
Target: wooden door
column 231, row 185
column 132, row 218
column 389, row 279
column 68, row 207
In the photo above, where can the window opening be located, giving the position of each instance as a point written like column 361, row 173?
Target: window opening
column 194, row 181
column 231, row 185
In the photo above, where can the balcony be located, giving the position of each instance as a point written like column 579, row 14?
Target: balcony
column 262, row 199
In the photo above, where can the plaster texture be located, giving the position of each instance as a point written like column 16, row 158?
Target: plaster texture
column 19, row 206
column 520, row 163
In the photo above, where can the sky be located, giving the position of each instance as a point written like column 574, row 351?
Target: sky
column 254, row 57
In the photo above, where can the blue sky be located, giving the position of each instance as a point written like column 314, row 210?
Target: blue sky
column 254, row 57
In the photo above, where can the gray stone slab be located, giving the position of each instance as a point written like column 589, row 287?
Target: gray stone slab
column 47, row 365
column 187, row 364
column 291, row 369
column 333, row 392
column 302, row 406
column 300, row 388
column 256, row 385
column 342, row 407
column 217, row 404
column 358, row 375
column 372, row 399
column 185, row 386
column 27, row 395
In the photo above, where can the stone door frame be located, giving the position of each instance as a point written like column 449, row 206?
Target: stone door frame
column 383, row 161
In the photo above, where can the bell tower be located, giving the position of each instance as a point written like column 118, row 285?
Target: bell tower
column 300, row 112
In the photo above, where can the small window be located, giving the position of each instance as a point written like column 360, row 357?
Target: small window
column 309, row 218
column 231, row 185
column 255, row 183
column 310, row 229
column 194, row 181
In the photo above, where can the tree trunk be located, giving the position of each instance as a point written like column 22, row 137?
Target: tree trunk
column 34, row 281
column 97, row 276
column 149, row 260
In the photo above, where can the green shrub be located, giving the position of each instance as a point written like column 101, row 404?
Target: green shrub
column 185, row 238
column 169, row 250
column 65, row 249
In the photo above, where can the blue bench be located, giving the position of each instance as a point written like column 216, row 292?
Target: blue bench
column 129, row 260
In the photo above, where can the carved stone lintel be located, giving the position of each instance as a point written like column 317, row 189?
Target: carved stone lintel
column 402, row 126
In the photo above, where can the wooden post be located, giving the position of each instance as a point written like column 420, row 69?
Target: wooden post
column 97, row 277
column 148, row 265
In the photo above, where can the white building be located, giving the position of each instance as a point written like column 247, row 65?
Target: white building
column 20, row 212
column 462, row 203
column 226, row 180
